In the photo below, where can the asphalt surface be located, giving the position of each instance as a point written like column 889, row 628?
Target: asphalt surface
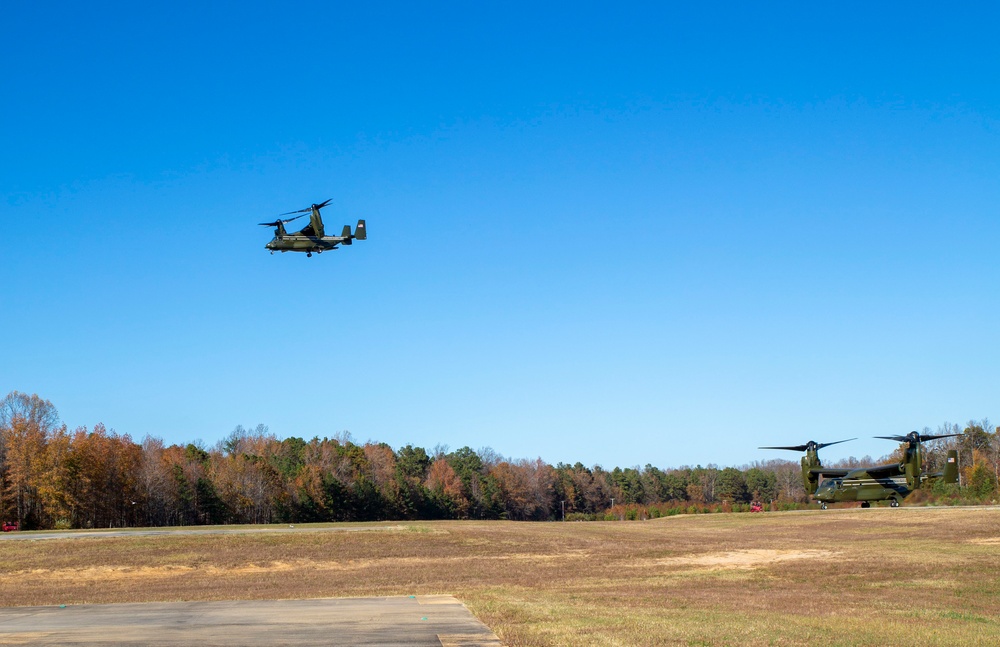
column 438, row 621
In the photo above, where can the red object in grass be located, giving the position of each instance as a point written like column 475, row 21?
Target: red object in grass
column 8, row 527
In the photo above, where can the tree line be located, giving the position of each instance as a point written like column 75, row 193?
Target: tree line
column 51, row 477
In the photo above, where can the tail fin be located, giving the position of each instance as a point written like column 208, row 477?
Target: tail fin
column 346, row 235
column 359, row 232
column 951, row 467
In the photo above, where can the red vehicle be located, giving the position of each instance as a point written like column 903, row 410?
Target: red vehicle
column 756, row 506
column 8, row 527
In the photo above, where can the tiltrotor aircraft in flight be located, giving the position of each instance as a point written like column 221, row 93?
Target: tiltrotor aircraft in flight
column 312, row 237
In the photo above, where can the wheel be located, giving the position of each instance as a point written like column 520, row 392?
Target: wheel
column 865, row 504
column 309, row 254
column 894, row 503
column 822, row 506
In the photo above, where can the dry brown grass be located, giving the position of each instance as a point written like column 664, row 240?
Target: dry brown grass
column 839, row 577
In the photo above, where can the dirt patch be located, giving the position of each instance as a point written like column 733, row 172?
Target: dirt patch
column 986, row 541
column 754, row 558
column 102, row 573
column 119, row 573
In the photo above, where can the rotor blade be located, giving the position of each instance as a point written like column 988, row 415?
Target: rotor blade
column 802, row 448
column 822, row 445
column 915, row 437
column 277, row 222
column 936, row 436
column 306, row 210
column 320, row 206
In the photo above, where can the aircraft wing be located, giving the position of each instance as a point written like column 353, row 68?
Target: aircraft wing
column 828, row 471
column 892, row 469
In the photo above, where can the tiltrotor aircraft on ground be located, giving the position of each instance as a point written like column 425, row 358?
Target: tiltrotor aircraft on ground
column 312, row 237
column 891, row 482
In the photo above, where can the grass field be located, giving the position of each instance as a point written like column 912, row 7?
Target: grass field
column 925, row 576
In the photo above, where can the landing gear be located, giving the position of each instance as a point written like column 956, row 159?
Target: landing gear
column 894, row 503
column 822, row 506
column 309, row 254
column 866, row 504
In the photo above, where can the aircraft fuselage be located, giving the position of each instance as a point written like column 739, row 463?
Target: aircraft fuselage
column 293, row 243
column 862, row 489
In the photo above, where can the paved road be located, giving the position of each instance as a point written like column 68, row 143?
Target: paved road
column 438, row 621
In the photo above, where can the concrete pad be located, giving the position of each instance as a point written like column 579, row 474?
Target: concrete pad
column 406, row 621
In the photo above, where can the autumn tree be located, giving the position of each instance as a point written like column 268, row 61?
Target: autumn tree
column 104, row 468
column 25, row 424
column 701, row 483
column 31, row 408
column 157, row 494
column 981, row 482
column 788, row 479
column 515, row 489
column 381, row 471
column 526, row 489
column 54, row 481
column 24, row 445
column 979, row 444
column 585, row 490
column 446, row 490
column 244, row 477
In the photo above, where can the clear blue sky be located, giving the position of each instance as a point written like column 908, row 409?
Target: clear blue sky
column 664, row 233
